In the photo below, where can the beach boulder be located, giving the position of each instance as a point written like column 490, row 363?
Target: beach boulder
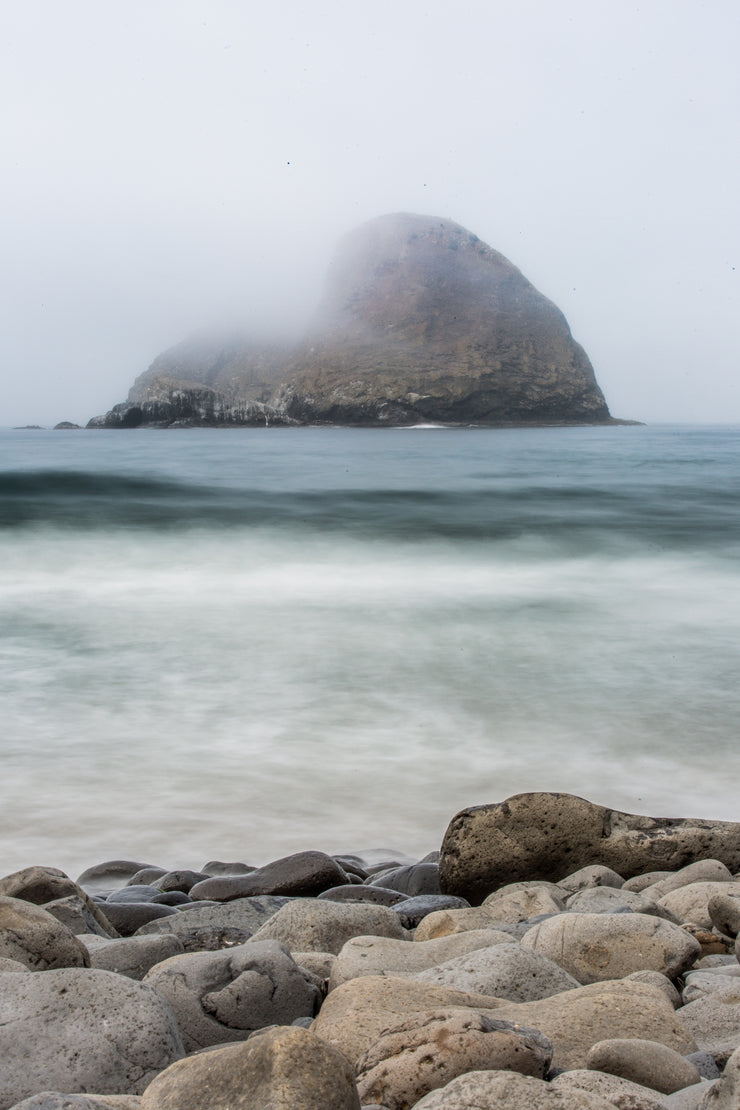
column 388, row 956
column 224, row 996
column 645, row 1062
column 35, row 938
column 504, row 971
column 281, row 1067
column 423, row 1052
column 549, row 835
column 506, row 1090
column 598, row 946
column 316, row 925
column 78, row 1029
column 301, row 875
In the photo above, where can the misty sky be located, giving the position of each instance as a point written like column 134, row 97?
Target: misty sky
column 169, row 164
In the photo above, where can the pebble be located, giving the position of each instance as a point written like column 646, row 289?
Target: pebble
column 645, row 1062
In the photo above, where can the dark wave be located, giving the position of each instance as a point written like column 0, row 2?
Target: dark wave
column 663, row 515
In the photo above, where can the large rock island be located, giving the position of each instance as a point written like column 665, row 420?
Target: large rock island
column 420, row 322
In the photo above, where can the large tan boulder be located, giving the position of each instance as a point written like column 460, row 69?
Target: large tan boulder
column 319, row 925
column 441, row 923
column 386, row 956
column 355, row 1015
column 509, row 907
column 505, row 1090
column 578, row 1019
column 622, row 1093
column 645, row 1062
column 281, row 1067
column 424, row 1052
column 504, row 971
column 548, row 836
column 596, row 946
column 691, row 902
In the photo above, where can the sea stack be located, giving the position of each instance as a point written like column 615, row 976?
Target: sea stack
column 420, row 322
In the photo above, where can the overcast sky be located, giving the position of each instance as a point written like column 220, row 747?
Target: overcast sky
column 170, row 163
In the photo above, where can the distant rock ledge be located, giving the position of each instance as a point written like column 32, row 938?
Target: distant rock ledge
column 420, row 322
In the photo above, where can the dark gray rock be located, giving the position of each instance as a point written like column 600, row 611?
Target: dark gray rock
column 414, row 910
column 181, row 880
column 172, row 898
column 128, row 917
column 361, row 892
column 132, row 956
column 77, row 1030
column 705, row 1064
column 414, row 879
column 304, row 874
column 217, row 867
column 200, row 925
column 75, row 913
column 147, row 876
column 138, row 893
column 351, row 865
column 108, row 876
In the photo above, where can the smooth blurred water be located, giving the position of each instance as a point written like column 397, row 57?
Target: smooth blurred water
column 236, row 644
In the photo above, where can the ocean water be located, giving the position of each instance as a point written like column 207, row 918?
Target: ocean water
column 236, row 644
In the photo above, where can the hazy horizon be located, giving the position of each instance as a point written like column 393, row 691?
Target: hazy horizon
column 174, row 165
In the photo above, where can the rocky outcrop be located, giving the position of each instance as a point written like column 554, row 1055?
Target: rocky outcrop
column 547, row 836
column 420, row 322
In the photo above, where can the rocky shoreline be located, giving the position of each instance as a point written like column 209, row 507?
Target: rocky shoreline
column 554, row 953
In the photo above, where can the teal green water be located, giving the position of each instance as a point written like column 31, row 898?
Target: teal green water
column 236, row 644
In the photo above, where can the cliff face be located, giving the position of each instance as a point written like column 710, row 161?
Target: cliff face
column 420, row 321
